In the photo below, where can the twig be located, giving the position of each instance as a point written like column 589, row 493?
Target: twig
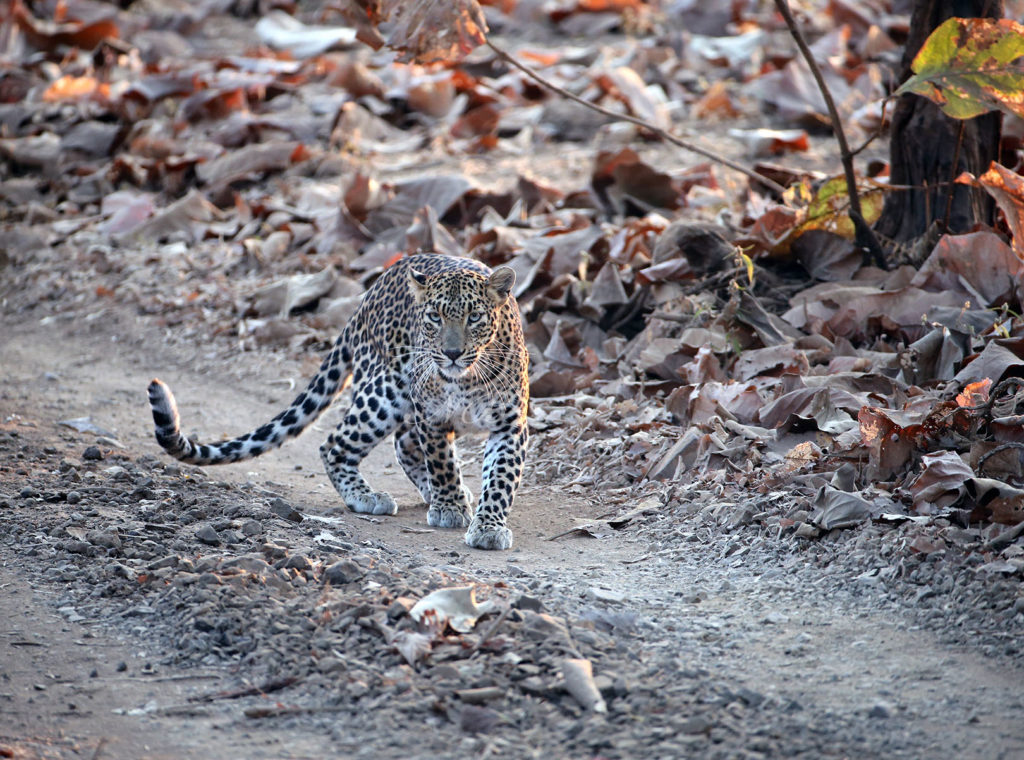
column 493, row 628
column 1005, row 538
column 865, row 235
column 99, row 748
column 277, row 712
column 250, row 691
column 952, row 179
column 666, row 136
column 997, row 450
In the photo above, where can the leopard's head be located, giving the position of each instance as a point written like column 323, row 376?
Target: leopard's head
column 459, row 313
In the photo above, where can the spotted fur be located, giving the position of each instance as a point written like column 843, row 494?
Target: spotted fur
column 434, row 350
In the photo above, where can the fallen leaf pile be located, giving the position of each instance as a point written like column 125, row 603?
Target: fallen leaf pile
column 682, row 324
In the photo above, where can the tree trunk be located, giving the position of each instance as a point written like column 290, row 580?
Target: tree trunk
column 925, row 143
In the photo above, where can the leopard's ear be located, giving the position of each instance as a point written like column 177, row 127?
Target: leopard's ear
column 500, row 283
column 417, row 283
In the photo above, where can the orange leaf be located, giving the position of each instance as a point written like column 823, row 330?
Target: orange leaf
column 1007, row 187
column 974, row 394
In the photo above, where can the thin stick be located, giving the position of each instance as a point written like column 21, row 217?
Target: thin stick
column 666, row 136
column 952, row 180
column 865, row 235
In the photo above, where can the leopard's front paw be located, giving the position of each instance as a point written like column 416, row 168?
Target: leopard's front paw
column 450, row 516
column 373, row 503
column 483, row 536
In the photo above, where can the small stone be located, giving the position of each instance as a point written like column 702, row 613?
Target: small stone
column 169, row 561
column 478, row 720
column 122, row 666
column 697, row 724
column 607, row 596
column 28, row 493
column 274, row 551
column 208, row 535
column 92, row 454
column 77, row 547
column 880, row 710
column 106, row 539
column 250, row 563
column 298, row 562
column 231, row 536
column 251, row 528
column 284, row 510
column 73, row 497
column 342, row 572
column 400, row 607
column 330, row 665
column 806, row 530
column 531, row 603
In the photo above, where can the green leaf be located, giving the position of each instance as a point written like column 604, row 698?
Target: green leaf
column 970, row 66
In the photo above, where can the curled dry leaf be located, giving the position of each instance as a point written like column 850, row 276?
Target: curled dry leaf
column 281, row 297
column 579, row 682
column 283, row 32
column 839, row 509
column 940, row 483
column 47, row 35
column 1007, row 187
column 995, row 501
column 455, row 606
column 979, row 265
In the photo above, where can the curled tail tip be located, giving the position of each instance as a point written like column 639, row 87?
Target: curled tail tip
column 165, row 410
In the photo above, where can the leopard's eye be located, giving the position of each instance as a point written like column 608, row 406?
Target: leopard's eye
column 474, row 317
column 434, row 316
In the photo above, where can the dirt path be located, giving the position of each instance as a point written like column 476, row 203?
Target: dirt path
column 810, row 664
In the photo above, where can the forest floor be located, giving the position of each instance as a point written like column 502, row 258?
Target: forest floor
column 155, row 610
column 131, row 633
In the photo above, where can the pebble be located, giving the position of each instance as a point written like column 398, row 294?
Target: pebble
column 251, row 528
column 73, row 497
column 208, row 535
column 92, row 454
column 605, row 595
column 298, row 562
column 107, row 539
column 532, row 603
column 342, row 572
column 880, row 710
column 284, row 510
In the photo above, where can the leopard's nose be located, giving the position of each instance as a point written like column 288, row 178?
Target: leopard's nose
column 452, row 354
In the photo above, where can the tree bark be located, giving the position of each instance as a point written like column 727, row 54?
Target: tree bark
column 925, row 143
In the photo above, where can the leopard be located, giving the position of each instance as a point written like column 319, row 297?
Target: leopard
column 434, row 350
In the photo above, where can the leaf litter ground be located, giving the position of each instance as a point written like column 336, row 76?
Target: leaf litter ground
column 730, row 421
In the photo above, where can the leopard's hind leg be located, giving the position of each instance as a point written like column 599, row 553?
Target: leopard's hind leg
column 378, row 406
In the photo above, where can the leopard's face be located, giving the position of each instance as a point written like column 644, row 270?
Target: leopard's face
column 459, row 320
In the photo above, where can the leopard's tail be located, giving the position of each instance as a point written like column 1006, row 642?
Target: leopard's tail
column 332, row 376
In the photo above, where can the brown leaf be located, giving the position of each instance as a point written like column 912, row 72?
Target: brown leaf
column 995, row 360
column 434, row 30
column 940, row 483
column 47, row 35
column 771, row 142
column 995, row 501
column 979, row 265
column 1007, row 187
column 889, row 444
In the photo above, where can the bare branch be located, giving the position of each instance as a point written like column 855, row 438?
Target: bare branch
column 865, row 235
column 666, row 136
